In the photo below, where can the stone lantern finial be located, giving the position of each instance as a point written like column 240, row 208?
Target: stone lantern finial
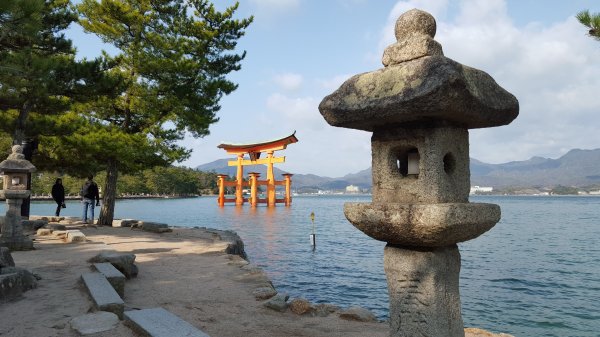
column 414, row 30
column 17, row 153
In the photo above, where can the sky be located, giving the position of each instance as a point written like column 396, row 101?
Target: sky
column 299, row 51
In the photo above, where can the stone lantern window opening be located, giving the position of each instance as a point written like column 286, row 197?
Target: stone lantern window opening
column 14, row 180
column 449, row 163
column 407, row 162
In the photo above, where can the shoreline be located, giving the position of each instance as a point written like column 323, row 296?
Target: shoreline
column 187, row 271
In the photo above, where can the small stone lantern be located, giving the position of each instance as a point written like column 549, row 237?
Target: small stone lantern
column 419, row 108
column 14, row 170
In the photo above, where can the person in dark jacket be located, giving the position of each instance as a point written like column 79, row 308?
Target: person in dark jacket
column 89, row 192
column 58, row 194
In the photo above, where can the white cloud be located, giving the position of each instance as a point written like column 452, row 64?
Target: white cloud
column 297, row 112
column 288, row 81
column 323, row 149
column 331, row 84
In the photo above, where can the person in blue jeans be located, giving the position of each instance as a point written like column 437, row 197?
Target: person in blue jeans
column 89, row 193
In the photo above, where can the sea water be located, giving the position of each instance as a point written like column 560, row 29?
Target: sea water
column 536, row 273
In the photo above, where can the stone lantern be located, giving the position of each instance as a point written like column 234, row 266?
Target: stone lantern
column 419, row 108
column 14, row 170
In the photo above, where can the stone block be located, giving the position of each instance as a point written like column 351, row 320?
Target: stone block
column 114, row 276
column 443, row 165
column 122, row 261
column 60, row 233
column 14, row 281
column 44, row 232
column 154, row 227
column 124, row 222
column 56, row 226
column 301, row 306
column 264, row 293
column 103, row 295
column 325, row 309
column 278, row 302
column 11, row 286
column 32, row 225
column 358, row 314
column 158, row 322
column 75, row 236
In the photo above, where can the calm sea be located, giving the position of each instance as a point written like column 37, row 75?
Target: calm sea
column 537, row 273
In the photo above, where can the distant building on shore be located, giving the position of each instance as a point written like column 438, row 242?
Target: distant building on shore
column 352, row 189
column 480, row 189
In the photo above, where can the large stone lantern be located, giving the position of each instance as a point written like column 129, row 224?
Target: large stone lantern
column 14, row 170
column 419, row 108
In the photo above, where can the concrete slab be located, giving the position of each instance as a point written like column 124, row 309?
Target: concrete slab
column 113, row 275
column 158, row 322
column 103, row 295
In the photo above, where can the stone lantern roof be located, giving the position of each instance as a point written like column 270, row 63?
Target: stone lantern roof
column 16, row 162
column 419, row 86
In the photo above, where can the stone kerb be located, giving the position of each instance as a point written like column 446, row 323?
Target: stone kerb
column 158, row 322
column 114, row 276
column 103, row 295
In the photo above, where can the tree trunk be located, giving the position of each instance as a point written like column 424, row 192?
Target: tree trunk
column 109, row 195
column 19, row 134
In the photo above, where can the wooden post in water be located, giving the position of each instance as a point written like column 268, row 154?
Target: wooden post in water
column 254, row 188
column 288, row 188
column 221, row 183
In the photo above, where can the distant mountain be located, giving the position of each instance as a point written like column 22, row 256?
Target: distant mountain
column 576, row 168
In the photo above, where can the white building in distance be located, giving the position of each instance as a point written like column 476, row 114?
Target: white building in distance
column 480, row 189
column 352, row 189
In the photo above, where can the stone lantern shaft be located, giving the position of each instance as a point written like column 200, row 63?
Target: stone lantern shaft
column 419, row 108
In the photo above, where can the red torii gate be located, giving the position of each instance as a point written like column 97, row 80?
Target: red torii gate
column 254, row 151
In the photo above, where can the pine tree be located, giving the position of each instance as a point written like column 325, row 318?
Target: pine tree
column 592, row 21
column 174, row 55
column 39, row 76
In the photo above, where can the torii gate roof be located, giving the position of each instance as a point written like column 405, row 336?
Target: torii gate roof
column 269, row 145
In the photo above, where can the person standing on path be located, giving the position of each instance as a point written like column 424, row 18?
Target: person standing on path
column 58, row 194
column 89, row 192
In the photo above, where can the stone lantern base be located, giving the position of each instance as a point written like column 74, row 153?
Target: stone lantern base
column 423, row 289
